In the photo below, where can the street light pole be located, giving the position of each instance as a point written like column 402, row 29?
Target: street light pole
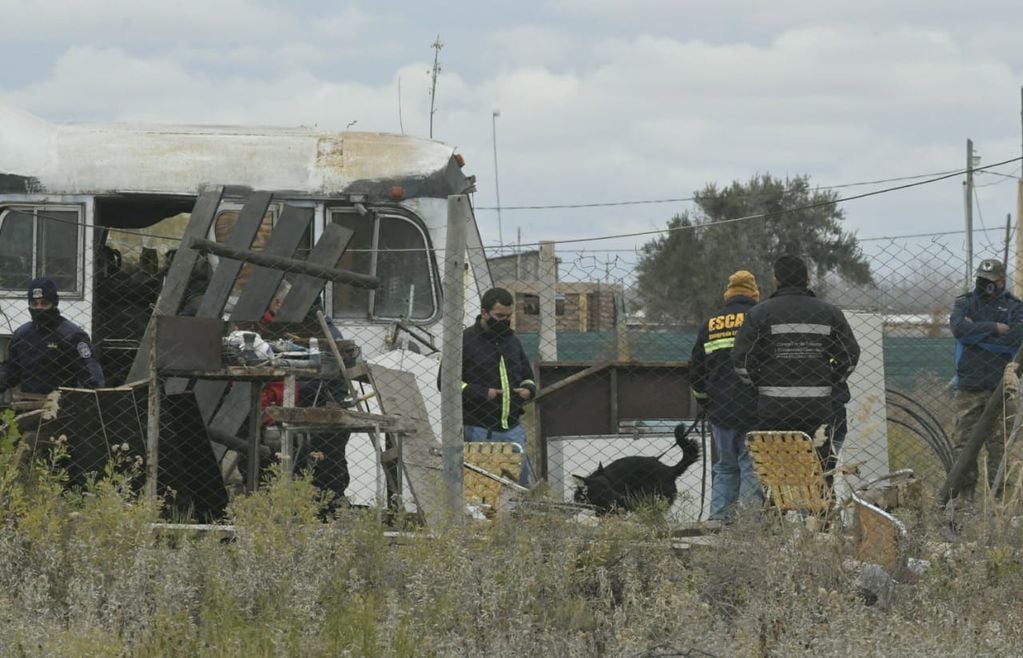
column 497, row 185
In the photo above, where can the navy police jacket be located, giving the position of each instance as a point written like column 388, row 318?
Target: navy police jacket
column 730, row 402
column 981, row 354
column 797, row 350
column 43, row 359
column 498, row 361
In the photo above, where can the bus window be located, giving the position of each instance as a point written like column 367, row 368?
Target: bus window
column 394, row 249
column 39, row 241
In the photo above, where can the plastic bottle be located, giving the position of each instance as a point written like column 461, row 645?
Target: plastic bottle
column 314, row 351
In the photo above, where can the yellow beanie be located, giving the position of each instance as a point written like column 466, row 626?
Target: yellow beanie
column 742, row 283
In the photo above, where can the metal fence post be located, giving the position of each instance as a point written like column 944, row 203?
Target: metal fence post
column 452, row 442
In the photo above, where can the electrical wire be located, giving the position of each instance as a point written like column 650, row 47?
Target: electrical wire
column 780, row 213
column 927, row 426
column 637, row 202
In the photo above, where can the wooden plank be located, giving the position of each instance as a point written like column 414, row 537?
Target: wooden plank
column 304, row 291
column 222, row 282
column 421, row 459
column 176, row 283
column 572, row 379
column 284, row 240
column 338, row 417
column 242, row 234
column 305, row 288
column 256, row 296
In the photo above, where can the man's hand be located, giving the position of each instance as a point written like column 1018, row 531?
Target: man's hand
column 522, row 393
column 493, row 393
column 1002, row 328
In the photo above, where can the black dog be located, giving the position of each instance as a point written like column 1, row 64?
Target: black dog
column 626, row 482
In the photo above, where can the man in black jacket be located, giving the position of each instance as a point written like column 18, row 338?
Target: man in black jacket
column 497, row 379
column 50, row 351
column 730, row 403
column 796, row 349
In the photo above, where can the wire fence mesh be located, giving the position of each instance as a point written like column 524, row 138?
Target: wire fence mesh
column 582, row 382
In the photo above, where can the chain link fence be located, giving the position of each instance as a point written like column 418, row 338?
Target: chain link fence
column 256, row 336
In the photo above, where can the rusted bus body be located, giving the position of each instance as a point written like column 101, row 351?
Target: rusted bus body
column 86, row 203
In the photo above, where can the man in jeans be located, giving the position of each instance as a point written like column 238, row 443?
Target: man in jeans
column 730, row 404
column 497, row 379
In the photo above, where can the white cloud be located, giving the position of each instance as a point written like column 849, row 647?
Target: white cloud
column 620, row 101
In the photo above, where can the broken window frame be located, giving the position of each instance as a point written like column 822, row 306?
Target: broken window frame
column 41, row 211
column 379, row 216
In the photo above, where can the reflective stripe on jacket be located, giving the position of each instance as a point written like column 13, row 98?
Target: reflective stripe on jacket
column 730, row 402
column 796, row 349
column 493, row 361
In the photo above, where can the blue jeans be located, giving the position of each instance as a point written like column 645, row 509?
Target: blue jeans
column 516, row 435
column 734, row 479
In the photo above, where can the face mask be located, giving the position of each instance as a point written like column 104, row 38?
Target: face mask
column 986, row 287
column 49, row 317
column 499, row 326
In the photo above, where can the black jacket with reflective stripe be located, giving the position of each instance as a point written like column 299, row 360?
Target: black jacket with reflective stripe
column 730, row 402
column 483, row 354
column 796, row 349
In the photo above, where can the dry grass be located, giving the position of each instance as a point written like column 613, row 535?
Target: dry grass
column 85, row 576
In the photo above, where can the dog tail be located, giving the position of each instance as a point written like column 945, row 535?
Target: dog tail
column 690, row 449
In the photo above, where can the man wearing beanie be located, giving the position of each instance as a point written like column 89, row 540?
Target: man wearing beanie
column 798, row 351
column 50, row 351
column 729, row 402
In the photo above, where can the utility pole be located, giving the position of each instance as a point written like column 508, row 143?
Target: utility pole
column 1019, row 212
column 436, row 45
column 497, row 185
column 968, row 200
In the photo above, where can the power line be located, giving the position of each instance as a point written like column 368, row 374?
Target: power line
column 662, row 230
column 639, row 202
column 788, row 211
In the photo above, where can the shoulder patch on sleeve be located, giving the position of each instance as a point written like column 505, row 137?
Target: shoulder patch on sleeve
column 84, row 350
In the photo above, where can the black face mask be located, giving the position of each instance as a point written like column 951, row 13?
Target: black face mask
column 49, row 317
column 498, row 327
column 986, row 287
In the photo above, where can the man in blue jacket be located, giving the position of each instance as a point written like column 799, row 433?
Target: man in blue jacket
column 497, row 379
column 730, row 403
column 50, row 351
column 988, row 326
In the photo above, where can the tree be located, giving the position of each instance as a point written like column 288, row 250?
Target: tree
column 682, row 274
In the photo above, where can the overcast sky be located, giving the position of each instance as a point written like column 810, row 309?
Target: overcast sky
column 600, row 100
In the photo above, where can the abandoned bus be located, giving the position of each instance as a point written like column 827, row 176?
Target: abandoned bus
column 94, row 205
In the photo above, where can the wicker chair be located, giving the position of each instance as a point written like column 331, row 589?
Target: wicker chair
column 487, row 464
column 788, row 467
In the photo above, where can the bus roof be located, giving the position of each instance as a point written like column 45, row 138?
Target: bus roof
column 41, row 157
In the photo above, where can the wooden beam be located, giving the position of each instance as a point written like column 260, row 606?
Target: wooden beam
column 572, row 379
column 353, row 279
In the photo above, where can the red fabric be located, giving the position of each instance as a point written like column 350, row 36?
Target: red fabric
column 272, row 395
